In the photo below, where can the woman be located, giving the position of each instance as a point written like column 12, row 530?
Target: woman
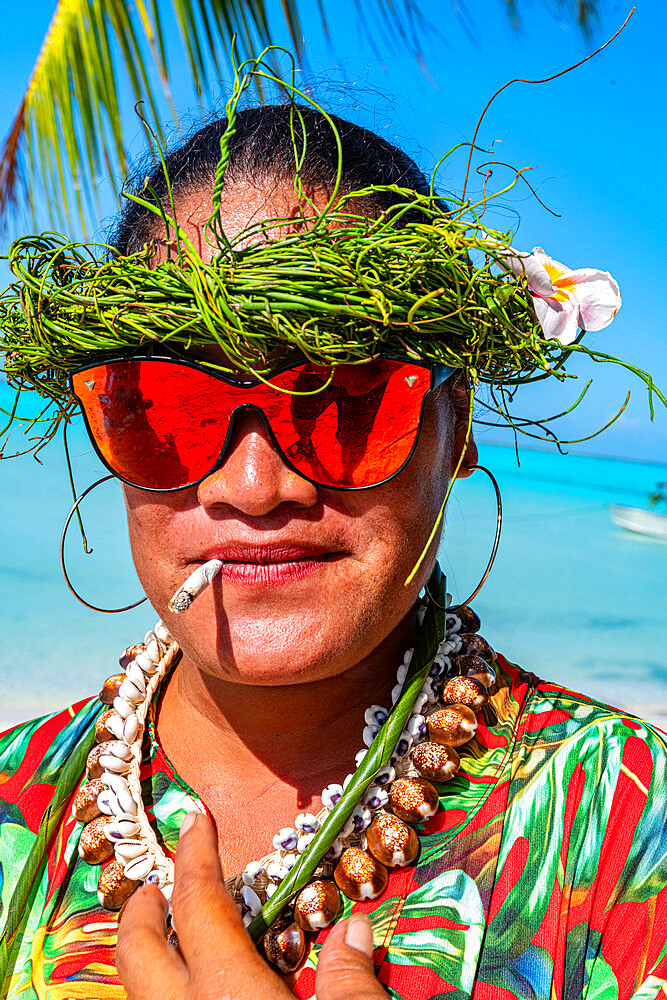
column 537, row 870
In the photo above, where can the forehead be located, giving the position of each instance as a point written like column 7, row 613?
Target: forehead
column 244, row 204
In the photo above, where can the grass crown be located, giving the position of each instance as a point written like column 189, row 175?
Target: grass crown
column 423, row 280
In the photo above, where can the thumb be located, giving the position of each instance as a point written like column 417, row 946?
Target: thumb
column 345, row 969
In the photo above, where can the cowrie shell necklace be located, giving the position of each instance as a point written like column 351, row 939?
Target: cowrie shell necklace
column 378, row 834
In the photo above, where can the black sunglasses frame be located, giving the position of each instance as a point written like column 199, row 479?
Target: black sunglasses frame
column 439, row 375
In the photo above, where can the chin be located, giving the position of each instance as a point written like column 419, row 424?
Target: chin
column 276, row 650
column 299, row 663
column 287, row 641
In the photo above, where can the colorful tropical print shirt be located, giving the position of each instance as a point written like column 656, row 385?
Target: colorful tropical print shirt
column 542, row 877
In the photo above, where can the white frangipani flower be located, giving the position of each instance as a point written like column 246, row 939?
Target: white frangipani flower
column 566, row 300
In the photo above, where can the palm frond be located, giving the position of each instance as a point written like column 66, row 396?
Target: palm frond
column 66, row 135
column 585, row 14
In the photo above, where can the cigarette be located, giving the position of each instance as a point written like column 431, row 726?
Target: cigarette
column 194, row 585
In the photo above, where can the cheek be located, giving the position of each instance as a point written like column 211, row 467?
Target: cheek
column 153, row 527
column 145, row 523
column 395, row 519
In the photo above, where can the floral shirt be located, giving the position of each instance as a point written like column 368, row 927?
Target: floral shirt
column 542, row 877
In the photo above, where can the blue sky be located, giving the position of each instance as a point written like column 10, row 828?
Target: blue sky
column 596, row 138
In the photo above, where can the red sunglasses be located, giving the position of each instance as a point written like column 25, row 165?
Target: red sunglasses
column 166, row 424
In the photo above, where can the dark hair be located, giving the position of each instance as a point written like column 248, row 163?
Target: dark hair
column 262, row 149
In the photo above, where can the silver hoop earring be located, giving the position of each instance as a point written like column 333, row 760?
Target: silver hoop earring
column 75, row 507
column 494, row 550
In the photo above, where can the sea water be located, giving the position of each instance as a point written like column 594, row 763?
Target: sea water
column 571, row 597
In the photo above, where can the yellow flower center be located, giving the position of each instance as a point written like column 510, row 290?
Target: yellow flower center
column 558, row 277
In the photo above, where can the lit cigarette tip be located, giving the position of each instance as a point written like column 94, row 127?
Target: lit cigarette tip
column 194, row 585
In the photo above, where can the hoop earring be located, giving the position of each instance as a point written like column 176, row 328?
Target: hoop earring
column 499, row 523
column 75, row 507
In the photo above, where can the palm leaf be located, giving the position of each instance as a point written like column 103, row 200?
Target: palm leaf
column 584, row 13
column 66, row 135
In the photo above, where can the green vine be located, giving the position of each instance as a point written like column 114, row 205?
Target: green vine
column 422, row 280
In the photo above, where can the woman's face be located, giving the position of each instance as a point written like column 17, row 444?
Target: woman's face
column 313, row 579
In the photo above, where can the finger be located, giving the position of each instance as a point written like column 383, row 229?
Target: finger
column 147, row 964
column 207, row 922
column 345, row 968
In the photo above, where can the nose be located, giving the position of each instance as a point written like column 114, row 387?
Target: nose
column 253, row 478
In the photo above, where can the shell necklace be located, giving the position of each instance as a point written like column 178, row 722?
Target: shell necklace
column 378, row 835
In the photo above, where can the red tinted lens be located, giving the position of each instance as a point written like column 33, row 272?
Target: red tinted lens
column 358, row 429
column 162, row 425
column 158, row 425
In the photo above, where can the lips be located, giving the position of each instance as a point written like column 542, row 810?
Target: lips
column 270, row 564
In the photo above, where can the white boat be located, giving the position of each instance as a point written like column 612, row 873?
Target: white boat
column 640, row 520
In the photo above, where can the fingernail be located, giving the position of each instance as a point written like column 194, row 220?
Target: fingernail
column 359, row 934
column 187, row 822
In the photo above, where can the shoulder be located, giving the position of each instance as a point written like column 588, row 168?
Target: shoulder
column 559, row 715
column 606, row 766
column 33, row 754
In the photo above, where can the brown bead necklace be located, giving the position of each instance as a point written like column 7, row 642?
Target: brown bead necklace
column 379, row 835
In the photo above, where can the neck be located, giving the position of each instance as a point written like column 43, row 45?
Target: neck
column 301, row 735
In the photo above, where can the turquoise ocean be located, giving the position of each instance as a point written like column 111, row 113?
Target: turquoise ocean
column 571, row 597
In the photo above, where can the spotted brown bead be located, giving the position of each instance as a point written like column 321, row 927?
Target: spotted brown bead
column 435, row 761
column 477, row 668
column 316, row 906
column 85, row 805
column 391, row 841
column 469, row 620
column 102, row 734
column 465, row 691
column 125, row 659
column 110, row 688
column 359, row 875
column 473, row 644
column 413, row 800
column 93, row 767
column 452, row 726
column 486, row 677
column 114, row 887
column 463, row 662
column 284, row 945
column 94, row 847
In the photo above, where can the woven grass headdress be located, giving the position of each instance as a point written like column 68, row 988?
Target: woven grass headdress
column 421, row 280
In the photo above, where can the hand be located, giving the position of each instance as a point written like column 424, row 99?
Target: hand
column 216, row 959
